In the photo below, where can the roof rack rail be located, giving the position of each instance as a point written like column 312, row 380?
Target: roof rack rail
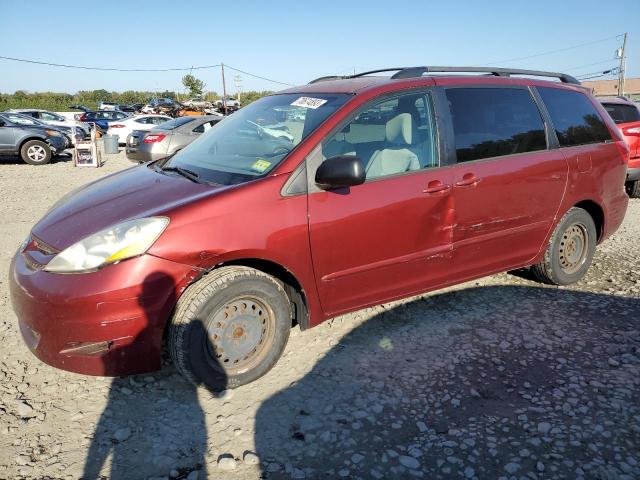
column 413, row 72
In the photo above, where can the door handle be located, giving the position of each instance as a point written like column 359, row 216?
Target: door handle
column 468, row 180
column 436, row 186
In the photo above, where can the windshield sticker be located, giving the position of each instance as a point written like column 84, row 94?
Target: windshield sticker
column 308, row 102
column 260, row 165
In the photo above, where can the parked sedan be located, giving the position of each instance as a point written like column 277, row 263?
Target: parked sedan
column 167, row 138
column 34, row 143
column 54, row 119
column 626, row 115
column 102, row 118
column 122, row 128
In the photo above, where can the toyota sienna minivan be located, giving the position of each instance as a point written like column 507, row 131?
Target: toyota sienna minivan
column 385, row 186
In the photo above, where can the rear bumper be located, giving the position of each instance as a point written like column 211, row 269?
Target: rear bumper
column 140, row 156
column 108, row 322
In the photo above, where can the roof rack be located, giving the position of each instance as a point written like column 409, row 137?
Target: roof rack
column 413, row 72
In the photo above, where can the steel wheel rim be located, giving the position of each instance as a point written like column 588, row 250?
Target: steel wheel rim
column 573, row 248
column 36, row 153
column 239, row 333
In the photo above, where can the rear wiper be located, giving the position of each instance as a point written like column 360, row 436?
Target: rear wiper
column 185, row 172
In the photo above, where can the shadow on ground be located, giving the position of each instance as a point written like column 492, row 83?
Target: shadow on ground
column 477, row 383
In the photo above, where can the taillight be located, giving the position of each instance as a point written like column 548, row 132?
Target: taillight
column 631, row 131
column 82, row 118
column 154, row 138
column 116, row 125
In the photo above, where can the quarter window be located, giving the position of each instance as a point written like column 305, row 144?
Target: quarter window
column 493, row 122
column 390, row 137
column 575, row 119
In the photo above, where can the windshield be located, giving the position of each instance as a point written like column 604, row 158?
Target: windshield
column 254, row 140
column 175, row 123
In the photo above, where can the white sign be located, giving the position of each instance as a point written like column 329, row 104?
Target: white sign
column 308, row 102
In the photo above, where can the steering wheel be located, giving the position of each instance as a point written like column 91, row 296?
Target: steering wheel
column 259, row 129
column 281, row 150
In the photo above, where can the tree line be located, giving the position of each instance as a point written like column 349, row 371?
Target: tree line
column 60, row 102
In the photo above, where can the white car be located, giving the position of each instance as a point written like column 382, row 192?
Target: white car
column 53, row 119
column 122, row 128
column 108, row 106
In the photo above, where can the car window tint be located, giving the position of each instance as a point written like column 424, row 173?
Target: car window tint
column 390, row 137
column 143, row 120
column 621, row 113
column 20, row 120
column 493, row 122
column 575, row 119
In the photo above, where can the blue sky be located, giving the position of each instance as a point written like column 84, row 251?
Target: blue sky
column 295, row 41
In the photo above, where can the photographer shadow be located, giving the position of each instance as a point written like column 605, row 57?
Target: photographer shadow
column 152, row 425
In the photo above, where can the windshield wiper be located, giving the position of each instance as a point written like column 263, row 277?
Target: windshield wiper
column 185, row 172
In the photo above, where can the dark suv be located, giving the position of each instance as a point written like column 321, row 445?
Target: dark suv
column 33, row 142
column 317, row 201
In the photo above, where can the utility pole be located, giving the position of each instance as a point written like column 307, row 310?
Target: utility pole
column 224, row 91
column 621, row 69
column 237, row 79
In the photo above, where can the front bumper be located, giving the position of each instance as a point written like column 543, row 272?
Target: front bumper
column 109, row 322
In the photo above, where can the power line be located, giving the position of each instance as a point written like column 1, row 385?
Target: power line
column 258, row 76
column 113, row 69
column 591, row 64
column 109, row 69
column 549, row 52
column 587, row 76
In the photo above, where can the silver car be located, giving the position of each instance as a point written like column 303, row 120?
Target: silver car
column 167, row 138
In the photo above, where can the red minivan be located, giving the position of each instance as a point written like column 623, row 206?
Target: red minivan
column 313, row 202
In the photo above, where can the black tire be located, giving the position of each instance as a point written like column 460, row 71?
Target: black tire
column 204, row 324
column 570, row 250
column 35, row 152
column 633, row 189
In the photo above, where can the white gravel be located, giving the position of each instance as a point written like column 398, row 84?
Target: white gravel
column 499, row 378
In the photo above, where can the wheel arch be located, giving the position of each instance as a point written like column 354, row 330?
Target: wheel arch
column 597, row 214
column 292, row 286
column 28, row 139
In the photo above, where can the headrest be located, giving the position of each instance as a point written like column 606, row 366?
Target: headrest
column 399, row 129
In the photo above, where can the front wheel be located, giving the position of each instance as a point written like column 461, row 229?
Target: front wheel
column 229, row 328
column 35, row 152
column 570, row 249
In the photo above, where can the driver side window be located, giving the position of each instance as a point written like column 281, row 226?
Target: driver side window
column 390, row 137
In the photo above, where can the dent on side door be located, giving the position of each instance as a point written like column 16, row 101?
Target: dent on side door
column 381, row 240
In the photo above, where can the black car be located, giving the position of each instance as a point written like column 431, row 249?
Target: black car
column 33, row 142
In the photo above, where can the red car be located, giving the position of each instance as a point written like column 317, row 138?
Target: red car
column 626, row 115
column 384, row 187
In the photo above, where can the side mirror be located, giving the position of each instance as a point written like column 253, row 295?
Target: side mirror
column 340, row 171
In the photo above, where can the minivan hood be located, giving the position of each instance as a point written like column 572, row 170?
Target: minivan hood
column 133, row 193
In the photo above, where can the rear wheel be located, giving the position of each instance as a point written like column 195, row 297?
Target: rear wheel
column 570, row 249
column 230, row 328
column 633, row 189
column 35, row 152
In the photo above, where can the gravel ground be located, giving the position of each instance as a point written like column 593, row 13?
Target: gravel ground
column 494, row 379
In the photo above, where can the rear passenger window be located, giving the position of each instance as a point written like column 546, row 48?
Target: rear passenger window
column 575, row 119
column 622, row 113
column 492, row 122
column 390, row 137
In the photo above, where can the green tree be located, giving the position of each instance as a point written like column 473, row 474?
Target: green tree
column 193, row 84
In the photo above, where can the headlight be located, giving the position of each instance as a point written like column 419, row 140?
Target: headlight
column 54, row 133
column 125, row 240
